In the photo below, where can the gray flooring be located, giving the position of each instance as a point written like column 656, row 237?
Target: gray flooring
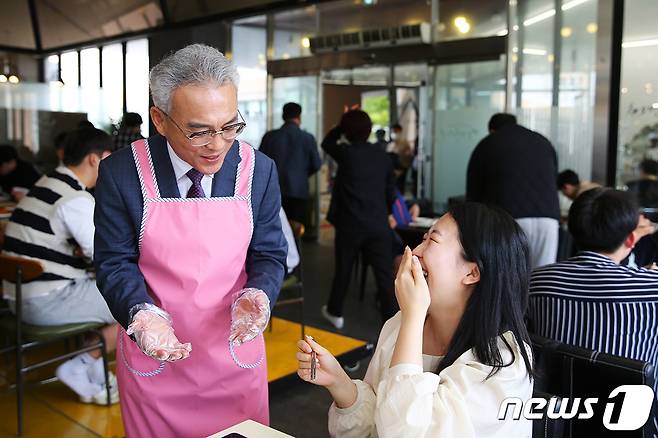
column 300, row 409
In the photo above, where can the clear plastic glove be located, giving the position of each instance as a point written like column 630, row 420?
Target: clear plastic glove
column 250, row 314
column 155, row 336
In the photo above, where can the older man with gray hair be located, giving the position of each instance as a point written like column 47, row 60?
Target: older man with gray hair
column 190, row 256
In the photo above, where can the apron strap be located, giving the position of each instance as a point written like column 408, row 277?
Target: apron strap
column 245, row 173
column 145, row 169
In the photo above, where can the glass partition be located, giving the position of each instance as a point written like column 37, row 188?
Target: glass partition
column 137, row 79
column 466, row 95
column 249, row 46
column 555, row 76
column 638, row 103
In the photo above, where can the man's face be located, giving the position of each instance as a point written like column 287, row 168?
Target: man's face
column 569, row 190
column 7, row 167
column 198, row 108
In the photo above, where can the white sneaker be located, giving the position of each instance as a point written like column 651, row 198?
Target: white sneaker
column 96, row 372
column 73, row 373
column 336, row 321
column 100, row 398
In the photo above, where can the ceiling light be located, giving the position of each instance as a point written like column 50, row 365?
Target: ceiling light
column 551, row 12
column 566, row 32
column 639, row 43
column 624, row 90
column 551, row 57
column 3, row 78
column 538, row 52
column 654, row 106
column 462, row 24
column 306, row 42
column 572, row 4
column 14, row 79
column 541, row 17
column 592, row 28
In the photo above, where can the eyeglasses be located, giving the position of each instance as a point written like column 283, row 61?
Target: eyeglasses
column 202, row 138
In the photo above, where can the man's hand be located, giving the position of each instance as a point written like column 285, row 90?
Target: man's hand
column 155, row 337
column 249, row 315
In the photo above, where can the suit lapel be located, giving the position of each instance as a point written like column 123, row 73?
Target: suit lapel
column 164, row 171
column 223, row 183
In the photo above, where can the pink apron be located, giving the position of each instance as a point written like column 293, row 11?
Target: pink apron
column 192, row 256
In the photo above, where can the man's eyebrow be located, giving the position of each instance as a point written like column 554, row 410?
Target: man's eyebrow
column 201, row 125
column 198, row 125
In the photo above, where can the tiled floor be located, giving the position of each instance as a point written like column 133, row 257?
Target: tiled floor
column 298, row 408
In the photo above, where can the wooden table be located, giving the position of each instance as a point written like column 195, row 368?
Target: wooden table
column 251, row 429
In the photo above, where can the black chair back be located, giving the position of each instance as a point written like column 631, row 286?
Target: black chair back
column 548, row 427
column 570, row 372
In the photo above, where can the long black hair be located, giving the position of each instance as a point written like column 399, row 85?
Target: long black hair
column 494, row 241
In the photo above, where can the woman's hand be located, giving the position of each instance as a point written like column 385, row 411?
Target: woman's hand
column 328, row 372
column 411, row 288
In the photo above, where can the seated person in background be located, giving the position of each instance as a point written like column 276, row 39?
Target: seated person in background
column 645, row 252
column 402, row 215
column 129, row 131
column 571, row 186
column 54, row 224
column 646, row 188
column 457, row 348
column 15, row 173
column 590, row 300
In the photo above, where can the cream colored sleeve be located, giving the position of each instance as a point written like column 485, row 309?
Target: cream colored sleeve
column 461, row 402
column 358, row 420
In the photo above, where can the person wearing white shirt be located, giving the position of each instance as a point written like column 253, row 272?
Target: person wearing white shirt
column 54, row 224
column 457, row 348
column 292, row 260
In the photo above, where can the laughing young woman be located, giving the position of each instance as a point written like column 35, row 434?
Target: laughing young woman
column 453, row 353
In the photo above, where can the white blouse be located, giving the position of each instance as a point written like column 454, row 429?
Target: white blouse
column 407, row 401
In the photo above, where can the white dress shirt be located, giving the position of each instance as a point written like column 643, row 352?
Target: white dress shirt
column 409, row 401
column 181, row 167
column 293, row 255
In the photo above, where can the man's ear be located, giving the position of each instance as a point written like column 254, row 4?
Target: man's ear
column 630, row 241
column 473, row 275
column 158, row 120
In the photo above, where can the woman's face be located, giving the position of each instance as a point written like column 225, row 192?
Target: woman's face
column 449, row 276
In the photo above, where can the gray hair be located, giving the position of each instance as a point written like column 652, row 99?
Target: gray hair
column 194, row 64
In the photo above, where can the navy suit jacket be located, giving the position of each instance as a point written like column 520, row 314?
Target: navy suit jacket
column 118, row 217
column 295, row 153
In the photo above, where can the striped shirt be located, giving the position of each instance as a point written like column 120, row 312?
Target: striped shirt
column 592, row 302
column 35, row 230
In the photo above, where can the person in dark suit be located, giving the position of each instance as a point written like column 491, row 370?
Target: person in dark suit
column 361, row 200
column 190, row 254
column 516, row 169
column 295, row 153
